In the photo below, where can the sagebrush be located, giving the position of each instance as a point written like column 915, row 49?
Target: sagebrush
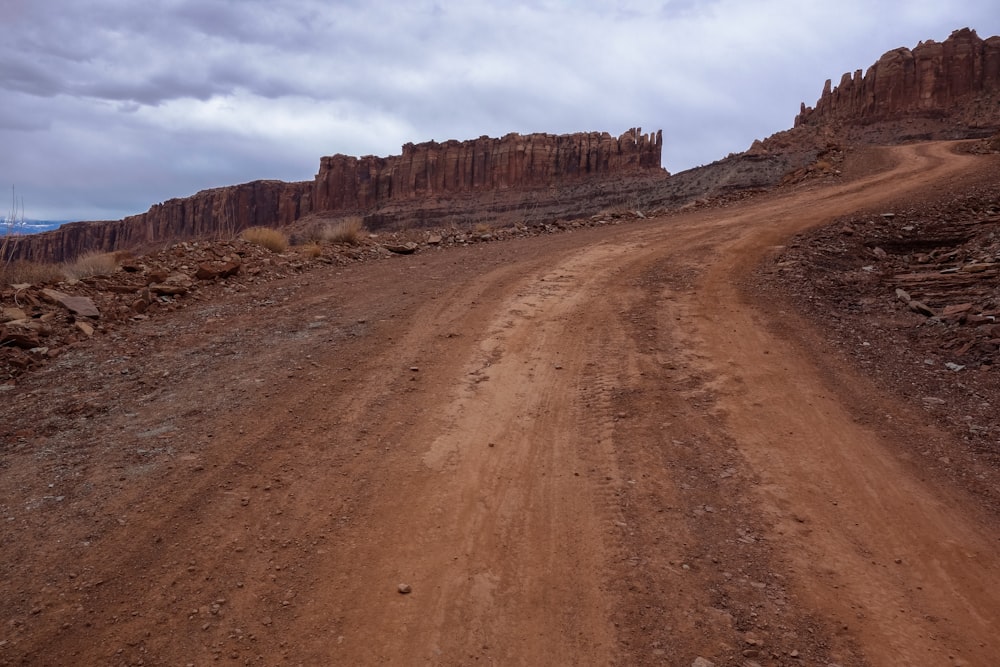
column 91, row 264
column 273, row 239
column 345, row 231
column 31, row 273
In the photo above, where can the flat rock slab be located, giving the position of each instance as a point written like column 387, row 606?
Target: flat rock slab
column 78, row 305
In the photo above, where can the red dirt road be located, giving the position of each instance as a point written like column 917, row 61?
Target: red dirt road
column 595, row 448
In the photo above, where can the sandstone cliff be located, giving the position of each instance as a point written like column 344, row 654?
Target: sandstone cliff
column 219, row 212
column 432, row 168
column 384, row 190
column 958, row 80
column 946, row 90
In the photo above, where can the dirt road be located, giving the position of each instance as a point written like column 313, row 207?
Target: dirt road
column 586, row 449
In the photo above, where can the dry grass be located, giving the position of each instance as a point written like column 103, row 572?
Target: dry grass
column 345, row 231
column 91, row 264
column 311, row 250
column 32, row 273
column 266, row 237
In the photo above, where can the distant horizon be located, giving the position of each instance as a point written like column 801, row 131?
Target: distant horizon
column 33, row 226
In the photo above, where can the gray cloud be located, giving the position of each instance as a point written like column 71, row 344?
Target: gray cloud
column 111, row 106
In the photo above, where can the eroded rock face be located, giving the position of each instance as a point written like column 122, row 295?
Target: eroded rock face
column 219, row 213
column 933, row 80
column 346, row 184
column 451, row 167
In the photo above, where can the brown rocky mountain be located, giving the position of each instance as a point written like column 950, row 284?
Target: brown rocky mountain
column 428, row 182
column 952, row 80
column 937, row 90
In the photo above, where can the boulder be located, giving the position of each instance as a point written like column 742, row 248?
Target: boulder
column 217, row 270
column 20, row 339
column 403, row 248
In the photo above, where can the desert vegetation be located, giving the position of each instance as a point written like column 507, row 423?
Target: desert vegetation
column 345, row 231
column 311, row 249
column 90, row 264
column 273, row 239
column 20, row 272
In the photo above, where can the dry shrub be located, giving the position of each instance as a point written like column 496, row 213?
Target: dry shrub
column 266, row 237
column 32, row 273
column 311, row 250
column 346, row 231
column 91, row 264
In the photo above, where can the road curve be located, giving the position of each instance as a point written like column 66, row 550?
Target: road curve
column 587, row 449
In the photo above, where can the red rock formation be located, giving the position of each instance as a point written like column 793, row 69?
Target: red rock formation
column 220, row 212
column 225, row 210
column 362, row 185
column 432, row 168
column 934, row 80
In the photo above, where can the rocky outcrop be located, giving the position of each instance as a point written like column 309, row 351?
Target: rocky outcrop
column 958, row 79
column 936, row 91
column 452, row 167
column 223, row 211
column 384, row 190
column 218, row 213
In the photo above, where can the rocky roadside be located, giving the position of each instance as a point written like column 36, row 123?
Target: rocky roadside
column 38, row 322
column 911, row 296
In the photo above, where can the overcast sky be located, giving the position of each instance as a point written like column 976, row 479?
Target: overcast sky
column 111, row 106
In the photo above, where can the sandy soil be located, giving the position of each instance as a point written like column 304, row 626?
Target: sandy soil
column 594, row 448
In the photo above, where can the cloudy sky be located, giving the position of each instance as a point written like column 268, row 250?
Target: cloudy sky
column 110, row 106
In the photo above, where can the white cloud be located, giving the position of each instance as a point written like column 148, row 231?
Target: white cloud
column 111, row 105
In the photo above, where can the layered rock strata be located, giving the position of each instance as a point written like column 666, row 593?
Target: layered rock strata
column 934, row 80
column 452, row 167
column 381, row 189
column 219, row 212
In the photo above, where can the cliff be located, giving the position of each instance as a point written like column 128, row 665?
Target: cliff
column 452, row 167
column 385, row 190
column 219, row 212
column 958, row 80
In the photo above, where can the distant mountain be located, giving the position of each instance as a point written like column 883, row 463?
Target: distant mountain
column 30, row 226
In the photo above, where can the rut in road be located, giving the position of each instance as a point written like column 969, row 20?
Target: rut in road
column 531, row 484
column 590, row 449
